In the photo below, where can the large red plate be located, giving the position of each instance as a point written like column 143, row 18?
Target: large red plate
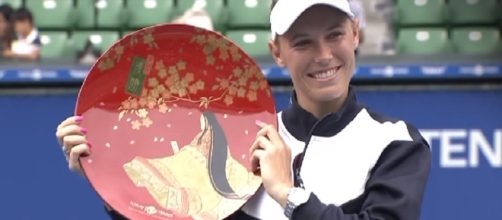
column 170, row 112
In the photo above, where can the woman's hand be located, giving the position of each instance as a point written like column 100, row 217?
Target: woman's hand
column 271, row 158
column 73, row 141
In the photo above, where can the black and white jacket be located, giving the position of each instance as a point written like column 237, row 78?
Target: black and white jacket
column 358, row 165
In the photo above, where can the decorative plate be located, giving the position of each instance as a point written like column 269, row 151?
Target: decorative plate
column 170, row 112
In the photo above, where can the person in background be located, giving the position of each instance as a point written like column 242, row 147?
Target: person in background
column 6, row 30
column 357, row 8
column 27, row 44
column 196, row 16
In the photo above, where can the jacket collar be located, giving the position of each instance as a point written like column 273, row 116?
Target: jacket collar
column 302, row 124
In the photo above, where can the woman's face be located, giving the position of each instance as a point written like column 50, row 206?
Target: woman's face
column 318, row 51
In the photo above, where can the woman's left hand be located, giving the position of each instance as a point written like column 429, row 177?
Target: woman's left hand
column 271, row 158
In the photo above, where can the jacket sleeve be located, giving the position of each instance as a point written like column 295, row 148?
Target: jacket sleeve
column 393, row 191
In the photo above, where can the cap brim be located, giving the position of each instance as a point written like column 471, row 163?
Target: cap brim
column 285, row 13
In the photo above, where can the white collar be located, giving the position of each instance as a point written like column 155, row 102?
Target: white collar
column 32, row 35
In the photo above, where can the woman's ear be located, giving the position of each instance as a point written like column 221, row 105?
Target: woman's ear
column 355, row 32
column 273, row 46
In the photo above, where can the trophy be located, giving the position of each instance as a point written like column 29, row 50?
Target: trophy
column 170, row 111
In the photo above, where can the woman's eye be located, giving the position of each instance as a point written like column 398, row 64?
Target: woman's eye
column 335, row 34
column 301, row 43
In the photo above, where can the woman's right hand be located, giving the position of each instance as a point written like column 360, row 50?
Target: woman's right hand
column 71, row 137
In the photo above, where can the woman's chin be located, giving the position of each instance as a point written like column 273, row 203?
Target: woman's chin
column 327, row 95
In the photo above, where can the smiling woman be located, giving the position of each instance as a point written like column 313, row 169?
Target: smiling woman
column 347, row 162
column 319, row 54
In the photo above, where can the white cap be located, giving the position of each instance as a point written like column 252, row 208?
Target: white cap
column 285, row 12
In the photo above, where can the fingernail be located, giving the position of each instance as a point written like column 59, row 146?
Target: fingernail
column 259, row 123
column 89, row 145
column 83, row 130
column 79, row 118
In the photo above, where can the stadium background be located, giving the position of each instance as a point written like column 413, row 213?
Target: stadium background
column 434, row 63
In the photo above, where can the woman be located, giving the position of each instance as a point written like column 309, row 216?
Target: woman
column 331, row 157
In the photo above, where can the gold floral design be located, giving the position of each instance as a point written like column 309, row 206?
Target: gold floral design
column 133, row 40
column 242, row 84
column 173, row 82
column 148, row 38
column 111, row 57
column 105, row 63
column 211, row 43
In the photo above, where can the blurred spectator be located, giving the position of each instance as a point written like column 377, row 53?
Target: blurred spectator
column 386, row 8
column 27, row 43
column 357, row 8
column 6, row 31
column 89, row 54
column 196, row 16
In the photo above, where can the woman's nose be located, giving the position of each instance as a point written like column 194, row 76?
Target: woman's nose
column 324, row 55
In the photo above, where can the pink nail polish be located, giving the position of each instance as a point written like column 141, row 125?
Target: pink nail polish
column 83, row 130
column 260, row 124
column 89, row 145
column 79, row 119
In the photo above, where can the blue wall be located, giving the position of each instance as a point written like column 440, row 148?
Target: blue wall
column 36, row 184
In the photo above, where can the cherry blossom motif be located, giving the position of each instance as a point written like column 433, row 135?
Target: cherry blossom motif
column 149, row 39
column 142, row 102
column 111, row 57
column 241, row 92
column 210, row 60
column 151, row 104
column 170, row 82
column 163, row 108
column 142, row 113
column 147, row 122
column 152, row 82
column 228, row 100
column 119, row 51
column 181, row 65
column 251, row 96
column 136, row 124
column 162, row 73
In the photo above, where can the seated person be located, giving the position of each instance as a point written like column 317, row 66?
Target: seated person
column 6, row 32
column 196, row 16
column 27, row 43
